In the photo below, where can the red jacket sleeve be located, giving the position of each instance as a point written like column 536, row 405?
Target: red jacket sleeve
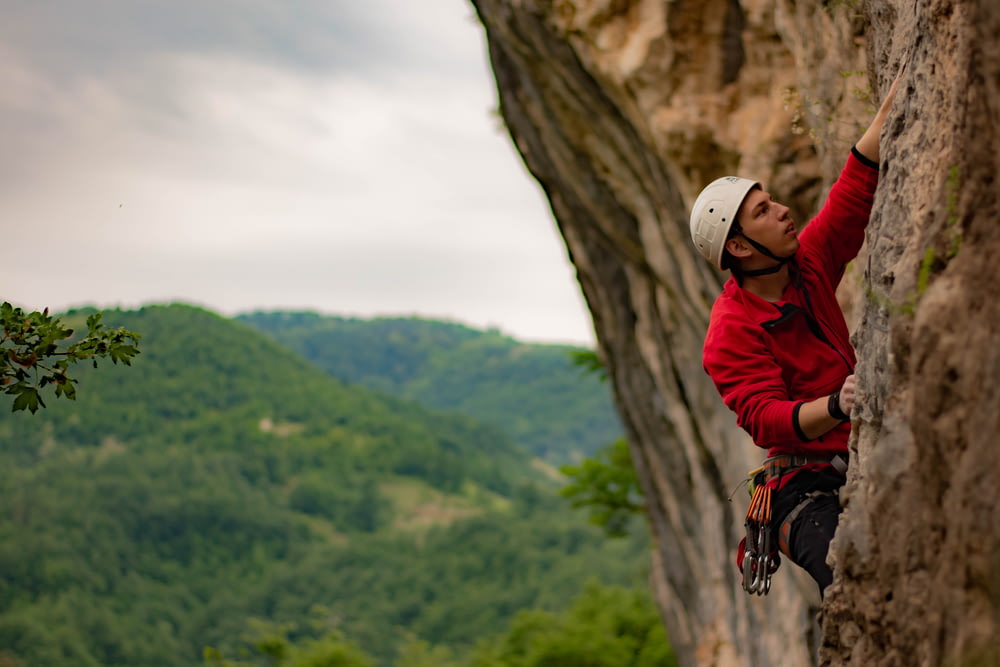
column 834, row 237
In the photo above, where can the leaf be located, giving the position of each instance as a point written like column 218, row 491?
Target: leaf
column 123, row 353
column 27, row 399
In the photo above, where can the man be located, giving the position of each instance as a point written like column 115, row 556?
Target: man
column 778, row 347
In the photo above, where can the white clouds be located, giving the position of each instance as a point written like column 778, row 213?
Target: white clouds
column 238, row 180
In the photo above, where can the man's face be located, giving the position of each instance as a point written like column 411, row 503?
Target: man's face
column 767, row 222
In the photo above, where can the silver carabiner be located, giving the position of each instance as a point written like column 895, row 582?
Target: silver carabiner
column 747, row 574
column 761, row 562
column 761, row 581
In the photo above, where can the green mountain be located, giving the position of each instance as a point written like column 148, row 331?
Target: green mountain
column 535, row 393
column 224, row 478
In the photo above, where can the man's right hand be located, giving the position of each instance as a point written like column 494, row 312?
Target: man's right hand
column 847, row 394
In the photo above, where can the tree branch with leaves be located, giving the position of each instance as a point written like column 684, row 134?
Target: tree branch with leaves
column 608, row 486
column 36, row 351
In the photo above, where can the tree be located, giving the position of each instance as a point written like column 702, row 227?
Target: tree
column 607, row 485
column 604, row 627
column 270, row 645
column 31, row 358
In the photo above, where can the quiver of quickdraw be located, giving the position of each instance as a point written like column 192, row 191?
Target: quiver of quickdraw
column 757, row 555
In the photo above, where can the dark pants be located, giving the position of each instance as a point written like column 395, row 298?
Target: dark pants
column 811, row 531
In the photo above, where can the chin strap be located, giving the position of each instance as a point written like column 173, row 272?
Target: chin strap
column 762, row 249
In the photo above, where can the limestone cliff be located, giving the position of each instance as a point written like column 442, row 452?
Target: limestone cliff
column 622, row 110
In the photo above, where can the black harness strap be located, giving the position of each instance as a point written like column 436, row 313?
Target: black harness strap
column 784, row 531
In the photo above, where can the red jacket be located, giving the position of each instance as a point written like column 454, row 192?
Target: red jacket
column 766, row 359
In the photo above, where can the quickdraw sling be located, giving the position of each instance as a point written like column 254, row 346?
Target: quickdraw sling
column 760, row 561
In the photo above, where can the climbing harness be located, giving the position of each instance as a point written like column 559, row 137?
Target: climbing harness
column 777, row 465
column 759, row 557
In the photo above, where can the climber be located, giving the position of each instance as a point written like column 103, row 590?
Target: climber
column 778, row 347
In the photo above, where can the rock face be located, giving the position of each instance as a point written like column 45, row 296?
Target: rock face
column 921, row 530
column 622, row 110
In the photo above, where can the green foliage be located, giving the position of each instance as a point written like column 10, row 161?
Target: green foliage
column 226, row 478
column 354, row 507
column 534, row 393
column 589, row 362
column 420, row 653
column 924, row 273
column 933, row 260
column 605, row 627
column 31, row 357
column 608, row 486
column 270, row 645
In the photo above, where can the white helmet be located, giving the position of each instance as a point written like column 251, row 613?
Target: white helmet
column 714, row 213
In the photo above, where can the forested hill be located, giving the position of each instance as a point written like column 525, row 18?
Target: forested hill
column 534, row 392
column 223, row 478
column 203, row 380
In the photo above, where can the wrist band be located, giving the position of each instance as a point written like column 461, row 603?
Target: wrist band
column 833, row 407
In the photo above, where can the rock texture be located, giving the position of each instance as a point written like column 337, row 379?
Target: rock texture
column 921, row 530
column 622, row 110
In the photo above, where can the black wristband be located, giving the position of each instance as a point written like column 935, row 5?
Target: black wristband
column 833, row 407
column 864, row 158
column 796, row 425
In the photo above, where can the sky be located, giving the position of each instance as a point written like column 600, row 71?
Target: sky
column 339, row 156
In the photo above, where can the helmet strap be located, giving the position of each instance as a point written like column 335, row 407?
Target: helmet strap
column 762, row 272
column 762, row 249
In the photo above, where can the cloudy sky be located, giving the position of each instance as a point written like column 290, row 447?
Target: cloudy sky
column 341, row 156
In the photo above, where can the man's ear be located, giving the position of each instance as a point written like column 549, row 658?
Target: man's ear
column 738, row 247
